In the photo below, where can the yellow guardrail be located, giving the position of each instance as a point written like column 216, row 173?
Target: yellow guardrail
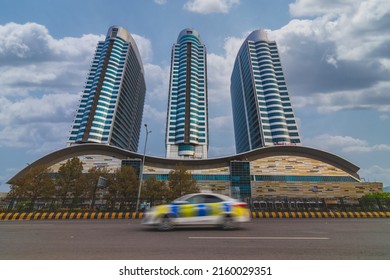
column 12, row 216
column 318, row 214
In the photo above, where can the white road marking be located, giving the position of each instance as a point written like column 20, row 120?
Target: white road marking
column 258, row 238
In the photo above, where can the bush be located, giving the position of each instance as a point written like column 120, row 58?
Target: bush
column 376, row 195
column 24, row 206
column 5, row 209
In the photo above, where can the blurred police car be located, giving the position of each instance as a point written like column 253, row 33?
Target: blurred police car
column 198, row 209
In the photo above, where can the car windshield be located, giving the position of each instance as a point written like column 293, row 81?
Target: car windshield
column 227, row 198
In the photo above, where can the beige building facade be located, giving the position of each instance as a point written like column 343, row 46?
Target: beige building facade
column 279, row 171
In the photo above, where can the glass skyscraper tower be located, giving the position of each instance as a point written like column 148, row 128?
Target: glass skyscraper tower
column 187, row 114
column 262, row 111
column 112, row 102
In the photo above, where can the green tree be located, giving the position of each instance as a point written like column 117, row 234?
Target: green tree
column 181, row 182
column 376, row 195
column 122, row 186
column 69, row 181
column 376, row 201
column 37, row 183
column 154, row 191
column 91, row 182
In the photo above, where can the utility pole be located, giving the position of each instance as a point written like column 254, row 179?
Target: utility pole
column 141, row 171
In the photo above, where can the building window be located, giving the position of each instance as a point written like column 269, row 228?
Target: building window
column 135, row 163
column 240, row 179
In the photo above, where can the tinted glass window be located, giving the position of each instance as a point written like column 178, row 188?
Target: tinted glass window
column 196, row 199
column 203, row 198
column 212, row 199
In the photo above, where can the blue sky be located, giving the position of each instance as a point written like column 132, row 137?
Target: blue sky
column 335, row 55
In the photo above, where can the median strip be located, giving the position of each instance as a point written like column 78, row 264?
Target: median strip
column 5, row 216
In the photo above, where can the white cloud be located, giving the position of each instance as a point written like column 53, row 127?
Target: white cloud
column 31, row 60
column 32, row 43
column 221, row 123
column 219, row 69
column 327, row 141
column 35, row 136
column 70, row 47
column 41, row 78
column 31, row 109
column 160, row 2
column 31, row 74
column 220, row 151
column 374, row 98
column 221, row 134
column 23, row 41
column 155, row 115
column 157, row 82
column 32, row 122
column 144, row 47
column 346, row 144
column 366, row 149
column 210, row 6
column 316, row 8
column 375, row 173
column 339, row 59
column 218, row 72
column 31, row 57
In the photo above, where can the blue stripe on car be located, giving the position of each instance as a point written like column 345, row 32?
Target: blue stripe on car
column 226, row 207
column 202, row 210
column 175, row 210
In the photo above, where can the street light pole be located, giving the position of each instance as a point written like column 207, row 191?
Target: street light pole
column 141, row 171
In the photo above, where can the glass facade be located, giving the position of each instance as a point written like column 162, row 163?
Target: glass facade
column 262, row 112
column 197, row 177
column 297, row 178
column 240, row 179
column 135, row 163
column 111, row 105
column 187, row 113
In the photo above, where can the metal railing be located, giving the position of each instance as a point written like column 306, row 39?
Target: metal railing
column 255, row 204
column 325, row 205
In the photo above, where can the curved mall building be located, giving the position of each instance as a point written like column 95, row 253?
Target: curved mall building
column 277, row 171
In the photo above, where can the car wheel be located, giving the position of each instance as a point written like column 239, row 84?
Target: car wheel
column 165, row 224
column 228, row 223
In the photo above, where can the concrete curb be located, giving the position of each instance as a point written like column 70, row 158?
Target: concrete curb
column 12, row 216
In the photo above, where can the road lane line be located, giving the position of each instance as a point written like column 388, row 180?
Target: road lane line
column 258, row 238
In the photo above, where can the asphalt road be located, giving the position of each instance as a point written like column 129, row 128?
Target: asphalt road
column 272, row 239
